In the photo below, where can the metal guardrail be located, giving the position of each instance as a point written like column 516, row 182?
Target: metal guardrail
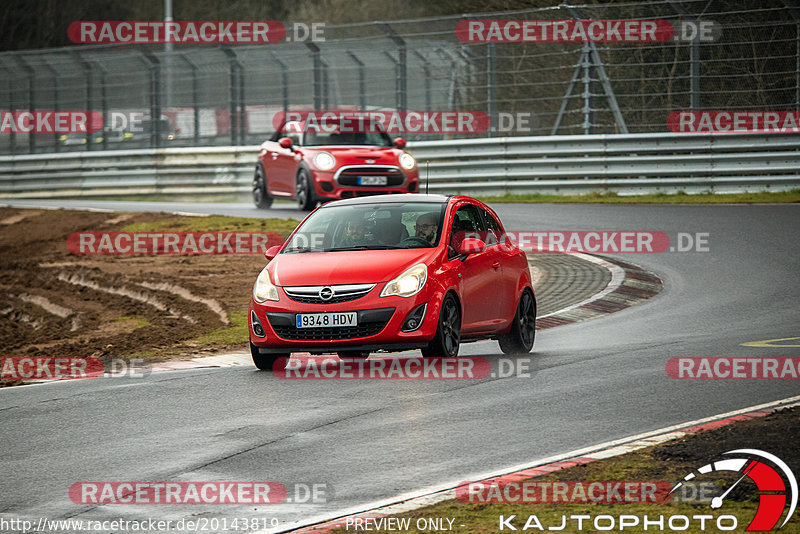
column 627, row 164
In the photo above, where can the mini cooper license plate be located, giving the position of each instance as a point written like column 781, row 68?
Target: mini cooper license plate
column 326, row 320
column 372, row 180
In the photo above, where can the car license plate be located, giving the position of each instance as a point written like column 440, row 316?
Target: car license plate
column 372, row 180
column 329, row 320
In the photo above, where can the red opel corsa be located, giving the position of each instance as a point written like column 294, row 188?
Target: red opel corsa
column 393, row 273
column 302, row 163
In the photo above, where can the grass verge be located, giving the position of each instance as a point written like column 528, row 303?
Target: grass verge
column 668, row 462
column 785, row 197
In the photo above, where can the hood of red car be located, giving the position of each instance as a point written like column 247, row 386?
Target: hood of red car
column 344, row 267
column 382, row 154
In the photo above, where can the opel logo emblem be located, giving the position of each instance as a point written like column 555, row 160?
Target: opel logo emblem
column 326, row 293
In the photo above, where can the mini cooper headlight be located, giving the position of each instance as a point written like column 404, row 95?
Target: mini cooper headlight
column 324, row 161
column 264, row 289
column 407, row 161
column 407, row 284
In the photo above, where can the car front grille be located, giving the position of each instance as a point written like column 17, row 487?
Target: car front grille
column 348, row 176
column 370, row 322
column 340, row 293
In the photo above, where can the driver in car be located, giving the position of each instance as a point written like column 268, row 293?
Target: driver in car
column 427, row 226
column 355, row 232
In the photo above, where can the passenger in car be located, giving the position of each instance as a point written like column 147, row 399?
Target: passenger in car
column 427, row 227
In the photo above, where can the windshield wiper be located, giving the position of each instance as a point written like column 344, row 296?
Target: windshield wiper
column 362, row 247
column 300, row 250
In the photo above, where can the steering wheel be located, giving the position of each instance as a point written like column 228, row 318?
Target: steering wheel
column 414, row 240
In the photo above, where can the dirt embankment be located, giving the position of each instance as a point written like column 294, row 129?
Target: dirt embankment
column 55, row 303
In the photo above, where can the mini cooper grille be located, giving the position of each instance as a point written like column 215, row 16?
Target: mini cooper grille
column 349, row 177
column 311, row 294
column 322, row 334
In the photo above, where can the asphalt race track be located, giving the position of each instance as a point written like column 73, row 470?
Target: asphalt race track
column 369, row 441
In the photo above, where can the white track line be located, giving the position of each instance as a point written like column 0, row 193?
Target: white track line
column 406, row 502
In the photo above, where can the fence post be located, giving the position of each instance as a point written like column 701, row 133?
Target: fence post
column 491, row 82
column 195, row 99
column 103, row 103
column 401, row 81
column 694, row 58
column 155, row 97
column 234, row 94
column 56, row 99
column 12, row 138
column 362, row 97
column 87, row 68
column 315, row 58
column 29, row 72
column 284, row 82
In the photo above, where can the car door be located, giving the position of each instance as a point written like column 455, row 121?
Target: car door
column 480, row 272
column 507, row 285
column 280, row 164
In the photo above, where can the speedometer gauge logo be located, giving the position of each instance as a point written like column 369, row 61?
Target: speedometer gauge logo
column 770, row 475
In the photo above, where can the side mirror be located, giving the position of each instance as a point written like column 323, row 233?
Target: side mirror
column 399, row 142
column 272, row 252
column 471, row 245
column 285, row 142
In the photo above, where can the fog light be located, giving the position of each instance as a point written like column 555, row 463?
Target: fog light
column 415, row 318
column 258, row 330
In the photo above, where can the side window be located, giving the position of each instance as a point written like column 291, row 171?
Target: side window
column 494, row 232
column 466, row 220
column 291, row 130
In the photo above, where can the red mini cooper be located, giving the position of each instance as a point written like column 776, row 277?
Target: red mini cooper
column 311, row 165
column 393, row 273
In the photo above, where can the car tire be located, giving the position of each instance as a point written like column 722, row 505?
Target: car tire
column 304, row 191
column 261, row 197
column 448, row 332
column 523, row 330
column 264, row 362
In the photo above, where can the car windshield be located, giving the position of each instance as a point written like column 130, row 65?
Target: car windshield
column 344, row 135
column 349, row 138
column 378, row 226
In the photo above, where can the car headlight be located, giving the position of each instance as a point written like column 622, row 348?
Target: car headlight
column 264, row 289
column 407, row 161
column 407, row 284
column 324, row 161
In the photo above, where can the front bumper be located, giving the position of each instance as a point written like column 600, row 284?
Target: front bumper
column 379, row 323
column 328, row 187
